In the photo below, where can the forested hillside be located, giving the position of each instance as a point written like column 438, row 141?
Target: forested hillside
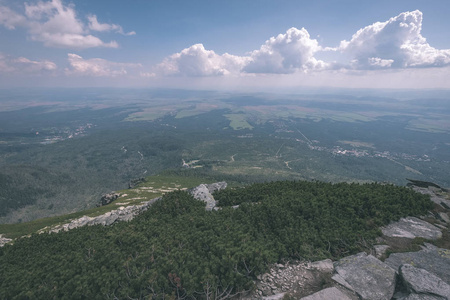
column 176, row 249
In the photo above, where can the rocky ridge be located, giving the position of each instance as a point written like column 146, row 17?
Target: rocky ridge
column 202, row 192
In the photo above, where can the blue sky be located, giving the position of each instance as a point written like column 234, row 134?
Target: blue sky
column 242, row 44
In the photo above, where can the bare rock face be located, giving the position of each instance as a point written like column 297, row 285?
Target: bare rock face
column 423, row 283
column 203, row 192
column 120, row 214
column 445, row 203
column 411, row 228
column 331, row 293
column 4, row 241
column 432, row 259
column 367, row 276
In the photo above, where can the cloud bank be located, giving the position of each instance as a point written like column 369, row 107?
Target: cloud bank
column 57, row 25
column 22, row 65
column 97, row 67
column 394, row 44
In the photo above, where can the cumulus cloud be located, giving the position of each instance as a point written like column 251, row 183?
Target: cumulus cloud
column 286, row 53
column 57, row 25
column 22, row 65
column 97, row 67
column 396, row 43
column 197, row 61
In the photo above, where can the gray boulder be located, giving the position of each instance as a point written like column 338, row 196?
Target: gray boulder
column 411, row 228
column 444, row 217
column 331, row 293
column 432, row 259
column 367, row 276
column 421, row 282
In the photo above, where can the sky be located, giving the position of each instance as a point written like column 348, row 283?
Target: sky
column 252, row 45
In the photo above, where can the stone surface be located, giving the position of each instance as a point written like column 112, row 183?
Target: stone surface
column 322, row 265
column 380, row 250
column 329, row 294
column 421, row 282
column 432, row 259
column 367, row 276
column 445, row 203
column 444, row 217
column 411, row 228
column 203, row 192
column 422, row 297
column 120, row 214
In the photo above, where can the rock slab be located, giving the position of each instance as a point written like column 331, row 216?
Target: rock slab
column 411, row 228
column 432, row 259
column 367, row 276
column 329, row 294
column 423, row 283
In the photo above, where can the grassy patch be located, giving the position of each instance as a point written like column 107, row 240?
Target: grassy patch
column 238, row 121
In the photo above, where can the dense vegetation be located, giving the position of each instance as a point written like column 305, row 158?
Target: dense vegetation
column 178, row 250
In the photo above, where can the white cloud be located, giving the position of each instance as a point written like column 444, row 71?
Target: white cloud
column 57, row 25
column 197, row 61
column 97, row 67
column 286, row 53
column 10, row 19
column 396, row 43
column 25, row 66
column 96, row 26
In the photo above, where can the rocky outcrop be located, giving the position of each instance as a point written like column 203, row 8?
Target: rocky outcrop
column 423, row 283
column 108, row 198
column 4, row 240
column 121, row 214
column 431, row 258
column 411, row 228
column 367, row 276
column 331, row 293
column 443, row 202
column 134, row 182
column 204, row 193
